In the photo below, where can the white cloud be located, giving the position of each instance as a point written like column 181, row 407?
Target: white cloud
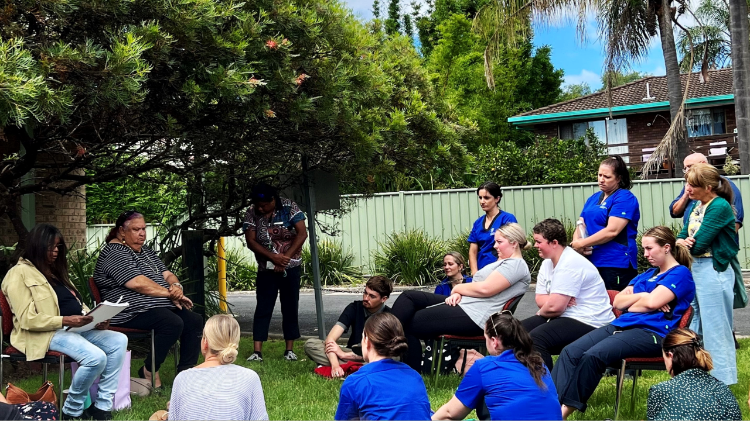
column 587, row 76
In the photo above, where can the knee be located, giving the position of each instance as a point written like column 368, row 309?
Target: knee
column 95, row 357
column 591, row 359
column 194, row 322
column 312, row 344
column 119, row 341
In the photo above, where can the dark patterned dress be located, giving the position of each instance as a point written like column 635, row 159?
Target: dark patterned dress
column 692, row 395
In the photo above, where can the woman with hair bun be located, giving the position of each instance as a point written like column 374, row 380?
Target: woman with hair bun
column 655, row 302
column 426, row 316
column 692, row 393
column 513, row 382
column 711, row 237
column 218, row 389
column 383, row 389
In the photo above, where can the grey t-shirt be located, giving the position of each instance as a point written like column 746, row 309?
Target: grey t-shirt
column 516, row 271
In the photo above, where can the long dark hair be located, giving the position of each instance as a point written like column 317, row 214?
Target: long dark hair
column 386, row 335
column 514, row 337
column 621, row 170
column 40, row 240
column 121, row 220
column 687, row 351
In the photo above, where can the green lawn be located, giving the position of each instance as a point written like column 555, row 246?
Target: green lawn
column 293, row 392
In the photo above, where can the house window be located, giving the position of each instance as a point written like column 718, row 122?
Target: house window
column 706, row 122
column 612, row 132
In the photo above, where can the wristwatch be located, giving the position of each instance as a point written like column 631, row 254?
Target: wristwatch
column 176, row 284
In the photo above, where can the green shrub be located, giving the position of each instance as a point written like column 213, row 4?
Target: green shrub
column 410, row 258
column 81, row 263
column 241, row 270
column 460, row 243
column 336, row 265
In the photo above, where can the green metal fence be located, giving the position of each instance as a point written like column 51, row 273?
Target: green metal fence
column 446, row 213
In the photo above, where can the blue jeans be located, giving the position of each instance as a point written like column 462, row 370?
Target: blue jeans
column 98, row 353
column 714, row 297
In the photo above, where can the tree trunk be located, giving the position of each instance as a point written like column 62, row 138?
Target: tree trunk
column 741, row 78
column 674, row 87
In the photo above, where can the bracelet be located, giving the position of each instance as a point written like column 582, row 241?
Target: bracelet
column 176, row 284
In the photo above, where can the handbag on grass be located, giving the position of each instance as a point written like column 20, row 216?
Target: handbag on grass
column 16, row 395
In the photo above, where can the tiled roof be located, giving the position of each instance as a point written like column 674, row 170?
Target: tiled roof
column 633, row 93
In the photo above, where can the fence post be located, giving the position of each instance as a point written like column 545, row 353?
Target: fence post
column 222, row 266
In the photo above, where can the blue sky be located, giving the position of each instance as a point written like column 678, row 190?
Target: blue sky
column 582, row 62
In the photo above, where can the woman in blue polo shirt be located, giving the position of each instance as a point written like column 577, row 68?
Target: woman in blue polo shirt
column 610, row 218
column 383, row 389
column 513, row 382
column 482, row 236
column 453, row 267
column 655, row 301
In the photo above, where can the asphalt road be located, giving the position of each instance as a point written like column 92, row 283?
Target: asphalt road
column 243, row 306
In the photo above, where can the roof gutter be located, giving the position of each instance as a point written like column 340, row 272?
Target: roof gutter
column 706, row 101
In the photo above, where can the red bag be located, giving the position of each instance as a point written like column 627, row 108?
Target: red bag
column 349, row 368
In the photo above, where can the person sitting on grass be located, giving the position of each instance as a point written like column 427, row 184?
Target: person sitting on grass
column 692, row 393
column 513, row 382
column 354, row 316
column 383, row 389
column 218, row 389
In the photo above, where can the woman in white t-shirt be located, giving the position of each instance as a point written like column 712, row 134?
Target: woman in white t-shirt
column 570, row 294
column 426, row 316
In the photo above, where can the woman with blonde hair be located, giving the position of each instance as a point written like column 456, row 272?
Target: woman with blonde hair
column 710, row 235
column 454, row 265
column 654, row 302
column 692, row 393
column 218, row 389
column 383, row 389
column 465, row 311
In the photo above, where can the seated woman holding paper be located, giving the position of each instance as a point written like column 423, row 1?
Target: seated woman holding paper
column 129, row 271
column 44, row 303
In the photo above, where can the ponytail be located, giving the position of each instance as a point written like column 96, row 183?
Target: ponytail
column 687, row 351
column 682, row 255
column 514, row 337
column 705, row 175
column 724, row 190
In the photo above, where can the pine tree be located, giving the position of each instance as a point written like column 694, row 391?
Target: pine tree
column 393, row 23
column 376, row 9
column 408, row 29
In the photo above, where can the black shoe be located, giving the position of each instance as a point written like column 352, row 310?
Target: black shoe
column 94, row 413
column 65, row 416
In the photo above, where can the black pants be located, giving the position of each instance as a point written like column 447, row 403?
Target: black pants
column 617, row 278
column 581, row 364
column 169, row 325
column 550, row 336
column 420, row 322
column 270, row 285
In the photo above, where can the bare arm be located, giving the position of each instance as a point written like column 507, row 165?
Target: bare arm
column 453, row 410
column 607, row 234
column 493, row 285
column 541, row 299
column 678, row 208
column 299, row 240
column 652, row 301
column 625, row 299
column 256, row 247
column 555, row 305
column 146, row 286
column 473, row 253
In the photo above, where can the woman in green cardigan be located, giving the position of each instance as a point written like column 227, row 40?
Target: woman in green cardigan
column 710, row 236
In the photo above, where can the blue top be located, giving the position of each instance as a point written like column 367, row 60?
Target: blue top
column 444, row 287
column 509, row 390
column 739, row 216
column 622, row 251
column 384, row 390
column 485, row 238
column 679, row 280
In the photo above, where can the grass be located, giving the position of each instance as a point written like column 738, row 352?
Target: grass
column 293, row 392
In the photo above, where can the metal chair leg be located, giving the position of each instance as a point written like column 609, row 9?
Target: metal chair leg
column 632, row 393
column 44, row 371
column 153, row 360
column 434, row 357
column 440, row 359
column 62, row 381
column 620, row 381
column 176, row 356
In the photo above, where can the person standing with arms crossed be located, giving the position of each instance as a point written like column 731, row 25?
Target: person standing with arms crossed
column 482, row 237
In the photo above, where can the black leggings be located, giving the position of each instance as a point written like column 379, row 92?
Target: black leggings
column 550, row 336
column 420, row 322
column 268, row 286
column 169, row 325
column 617, row 278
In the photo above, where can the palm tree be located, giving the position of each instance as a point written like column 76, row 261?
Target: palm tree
column 709, row 38
column 627, row 27
column 740, row 68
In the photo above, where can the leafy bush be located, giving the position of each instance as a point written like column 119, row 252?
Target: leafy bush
column 81, row 263
column 410, row 258
column 336, row 265
column 241, row 270
column 460, row 243
column 546, row 161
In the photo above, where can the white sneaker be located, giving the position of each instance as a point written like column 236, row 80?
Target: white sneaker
column 290, row 356
column 255, row 357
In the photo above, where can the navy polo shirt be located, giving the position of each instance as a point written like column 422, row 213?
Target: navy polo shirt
column 679, row 280
column 444, row 287
column 622, row 251
column 384, row 390
column 485, row 238
column 509, row 390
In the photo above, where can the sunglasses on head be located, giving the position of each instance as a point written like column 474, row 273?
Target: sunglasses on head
column 500, row 313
